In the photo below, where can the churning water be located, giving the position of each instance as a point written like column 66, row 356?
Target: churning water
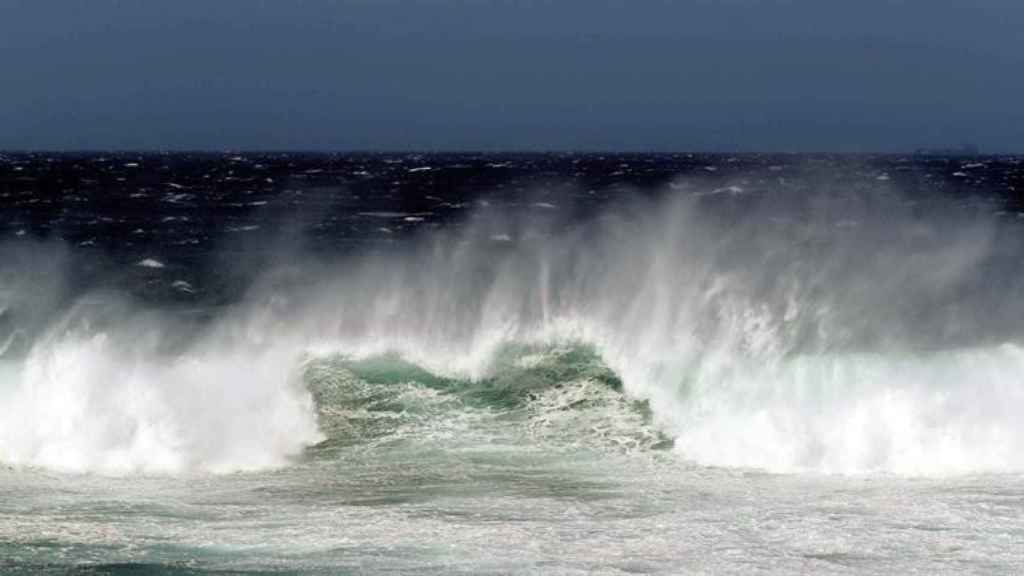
column 410, row 365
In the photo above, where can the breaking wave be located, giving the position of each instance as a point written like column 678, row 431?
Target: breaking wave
column 559, row 396
column 832, row 332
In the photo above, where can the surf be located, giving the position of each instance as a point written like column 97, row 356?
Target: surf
column 837, row 331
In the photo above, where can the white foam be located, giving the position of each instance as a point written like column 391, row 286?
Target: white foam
column 789, row 347
column 84, row 403
column 150, row 262
column 784, row 344
column 931, row 414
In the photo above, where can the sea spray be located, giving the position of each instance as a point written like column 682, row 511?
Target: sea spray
column 97, row 393
column 836, row 331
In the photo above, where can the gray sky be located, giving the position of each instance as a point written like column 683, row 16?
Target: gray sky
column 796, row 75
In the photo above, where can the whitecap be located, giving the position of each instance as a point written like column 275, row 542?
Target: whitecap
column 150, row 263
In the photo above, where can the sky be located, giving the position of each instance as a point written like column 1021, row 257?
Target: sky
column 631, row 75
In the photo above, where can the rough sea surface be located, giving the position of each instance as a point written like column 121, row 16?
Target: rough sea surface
column 273, row 363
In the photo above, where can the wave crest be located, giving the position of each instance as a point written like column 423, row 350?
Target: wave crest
column 106, row 400
column 839, row 331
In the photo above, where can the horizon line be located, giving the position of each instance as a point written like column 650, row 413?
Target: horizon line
column 926, row 152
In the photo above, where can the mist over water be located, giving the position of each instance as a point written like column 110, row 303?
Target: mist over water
column 842, row 329
column 494, row 364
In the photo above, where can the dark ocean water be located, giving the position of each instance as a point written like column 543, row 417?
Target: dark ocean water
column 511, row 363
column 191, row 211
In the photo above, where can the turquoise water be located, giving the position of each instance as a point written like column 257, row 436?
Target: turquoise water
column 411, row 508
column 785, row 371
column 548, row 469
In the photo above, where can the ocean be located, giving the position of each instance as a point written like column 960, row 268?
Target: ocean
column 285, row 363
